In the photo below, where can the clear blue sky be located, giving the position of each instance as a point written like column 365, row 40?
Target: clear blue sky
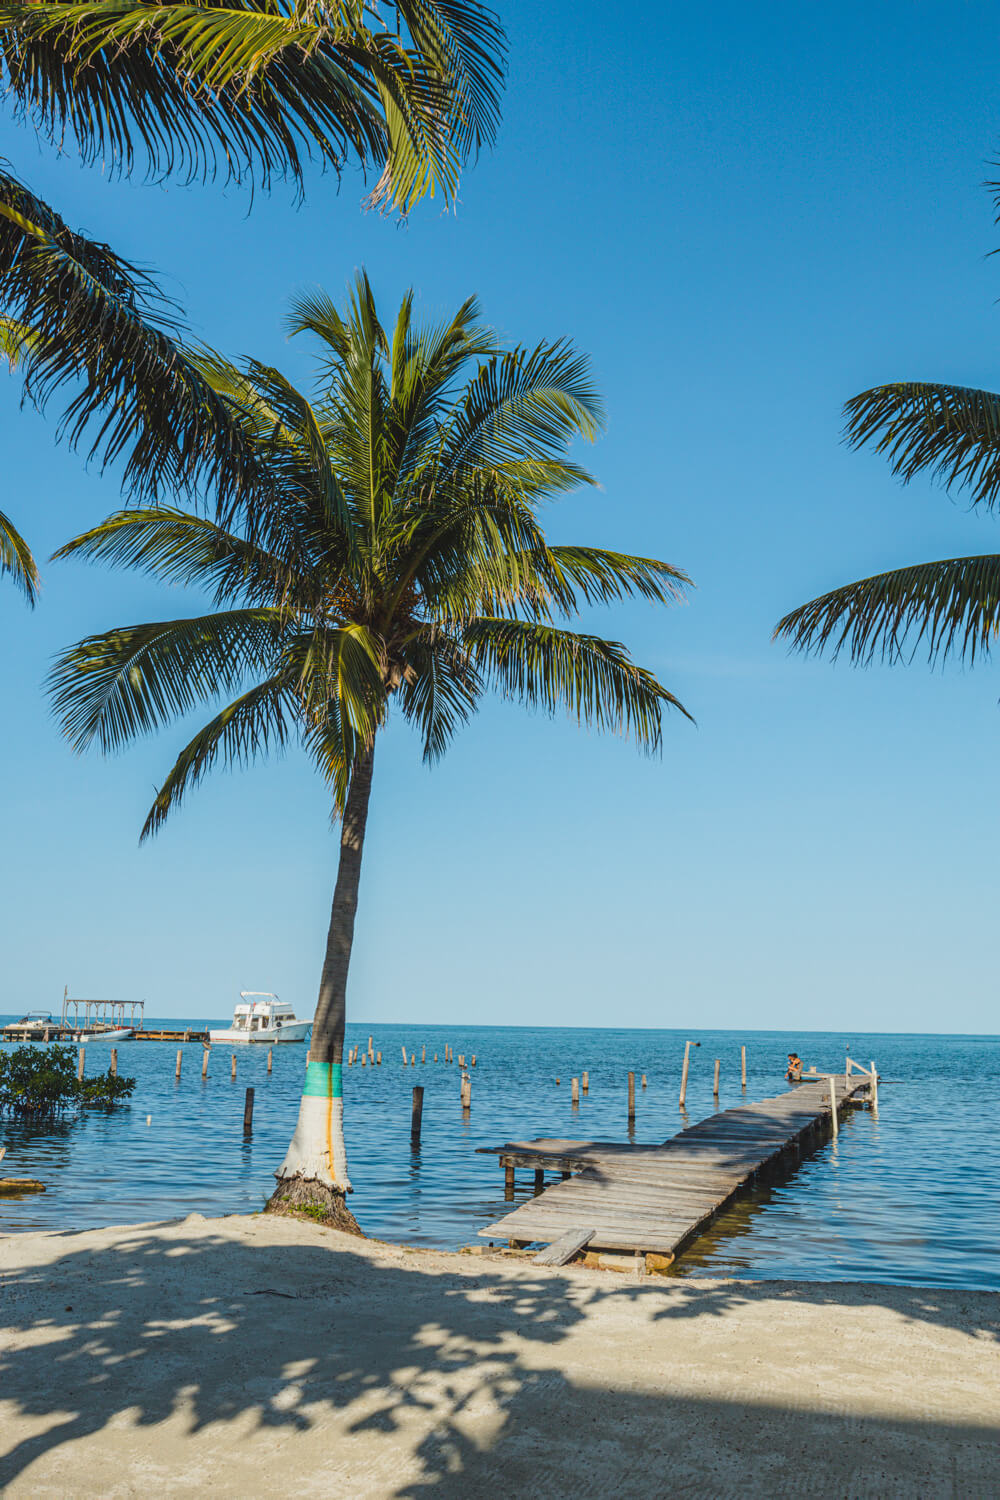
column 744, row 216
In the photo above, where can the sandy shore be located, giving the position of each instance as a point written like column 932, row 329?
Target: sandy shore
column 259, row 1356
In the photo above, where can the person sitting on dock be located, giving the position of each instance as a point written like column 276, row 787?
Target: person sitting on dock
column 794, row 1074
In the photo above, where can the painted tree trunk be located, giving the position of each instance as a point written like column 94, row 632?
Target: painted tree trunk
column 314, row 1171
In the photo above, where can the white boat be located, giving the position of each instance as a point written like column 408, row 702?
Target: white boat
column 262, row 1017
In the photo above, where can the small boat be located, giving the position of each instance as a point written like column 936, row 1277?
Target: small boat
column 118, row 1034
column 262, row 1017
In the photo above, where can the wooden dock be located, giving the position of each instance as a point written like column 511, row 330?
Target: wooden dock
column 654, row 1199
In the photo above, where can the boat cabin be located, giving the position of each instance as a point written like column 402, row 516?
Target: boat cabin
column 266, row 1013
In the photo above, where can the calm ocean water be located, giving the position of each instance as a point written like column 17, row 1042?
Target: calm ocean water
column 912, row 1196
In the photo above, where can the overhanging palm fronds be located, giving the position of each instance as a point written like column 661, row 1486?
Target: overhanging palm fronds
column 953, row 431
column 258, row 89
column 950, row 606
column 16, row 560
column 84, row 318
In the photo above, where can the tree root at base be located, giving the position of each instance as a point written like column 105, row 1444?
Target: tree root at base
column 304, row 1198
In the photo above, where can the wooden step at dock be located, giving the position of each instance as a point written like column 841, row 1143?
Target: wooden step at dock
column 655, row 1198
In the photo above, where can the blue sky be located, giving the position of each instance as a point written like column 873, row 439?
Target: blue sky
column 744, row 216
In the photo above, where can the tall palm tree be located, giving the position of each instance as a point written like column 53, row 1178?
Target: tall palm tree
column 398, row 564
column 251, row 89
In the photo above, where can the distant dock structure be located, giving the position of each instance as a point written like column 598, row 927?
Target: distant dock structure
column 82, row 1018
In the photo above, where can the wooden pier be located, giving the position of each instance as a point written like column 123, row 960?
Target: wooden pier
column 654, row 1199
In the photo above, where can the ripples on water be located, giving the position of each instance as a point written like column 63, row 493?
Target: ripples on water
column 910, row 1196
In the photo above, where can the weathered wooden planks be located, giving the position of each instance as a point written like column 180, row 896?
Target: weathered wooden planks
column 564, row 1248
column 655, row 1198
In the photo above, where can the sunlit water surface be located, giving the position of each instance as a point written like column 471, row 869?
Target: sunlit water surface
column 909, row 1196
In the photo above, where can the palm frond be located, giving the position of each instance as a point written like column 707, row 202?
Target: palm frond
column 244, row 730
column 952, row 431
column 952, row 606
column 17, row 342
column 440, row 689
column 16, row 560
column 524, row 405
column 257, row 90
column 177, row 546
column 124, row 683
column 101, row 325
column 593, row 679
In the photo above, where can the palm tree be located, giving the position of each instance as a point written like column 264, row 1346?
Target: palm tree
column 253, row 90
column 952, row 605
column 398, row 564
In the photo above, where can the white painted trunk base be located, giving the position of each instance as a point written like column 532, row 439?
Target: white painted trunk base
column 317, row 1150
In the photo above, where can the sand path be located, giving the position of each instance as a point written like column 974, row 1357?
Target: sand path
column 258, row 1356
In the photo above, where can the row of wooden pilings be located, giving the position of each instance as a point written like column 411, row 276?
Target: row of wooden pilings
column 369, row 1057
column 247, row 1103
column 582, row 1084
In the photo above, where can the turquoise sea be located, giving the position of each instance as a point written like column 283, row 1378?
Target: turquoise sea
column 912, row 1196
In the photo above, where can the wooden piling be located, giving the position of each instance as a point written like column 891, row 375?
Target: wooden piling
column 585, row 1082
column 177, row 1070
column 631, row 1097
column 248, row 1113
column 508, row 1182
column 79, row 1063
column 435, row 1057
column 416, row 1115
column 404, row 1056
column 472, row 1060
column 466, row 1091
column 461, row 1059
column 874, row 1090
column 378, row 1058
column 364, row 1059
column 413, row 1059
column 574, row 1085
column 233, row 1069
column 833, row 1105
column 644, row 1080
column 204, row 1062
column 743, row 1066
column 370, row 1040
column 715, row 1082
column 423, row 1054
column 539, row 1180
column 114, row 1062
column 270, row 1051
column 684, row 1072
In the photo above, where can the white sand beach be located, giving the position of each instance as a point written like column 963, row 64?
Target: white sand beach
column 264, row 1356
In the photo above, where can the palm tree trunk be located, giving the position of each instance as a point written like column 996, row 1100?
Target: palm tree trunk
column 313, row 1174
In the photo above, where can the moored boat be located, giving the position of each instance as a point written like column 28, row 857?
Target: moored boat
column 262, row 1017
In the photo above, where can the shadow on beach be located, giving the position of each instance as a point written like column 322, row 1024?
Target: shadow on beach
column 178, row 1357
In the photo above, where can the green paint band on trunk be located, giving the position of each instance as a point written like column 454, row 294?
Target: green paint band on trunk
column 324, row 1081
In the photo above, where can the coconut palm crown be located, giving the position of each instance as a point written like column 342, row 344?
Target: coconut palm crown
column 398, row 564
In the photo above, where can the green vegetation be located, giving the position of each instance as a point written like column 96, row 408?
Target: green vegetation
column 953, row 605
column 396, row 561
column 43, row 1081
column 252, row 91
